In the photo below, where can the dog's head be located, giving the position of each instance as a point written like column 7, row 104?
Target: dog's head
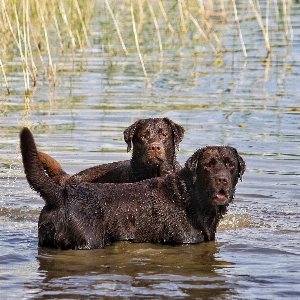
column 216, row 170
column 154, row 139
column 154, row 126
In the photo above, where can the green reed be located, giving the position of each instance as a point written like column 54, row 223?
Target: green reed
column 30, row 28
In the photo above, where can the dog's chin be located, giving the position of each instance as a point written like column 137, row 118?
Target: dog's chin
column 221, row 197
column 154, row 161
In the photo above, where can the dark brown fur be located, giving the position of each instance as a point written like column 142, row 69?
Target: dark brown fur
column 154, row 142
column 179, row 208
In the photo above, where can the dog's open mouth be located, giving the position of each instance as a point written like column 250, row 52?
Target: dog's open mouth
column 221, row 197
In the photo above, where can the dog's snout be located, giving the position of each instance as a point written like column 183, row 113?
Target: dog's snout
column 222, row 179
column 155, row 147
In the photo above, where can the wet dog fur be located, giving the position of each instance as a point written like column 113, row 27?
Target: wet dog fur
column 154, row 142
column 184, row 207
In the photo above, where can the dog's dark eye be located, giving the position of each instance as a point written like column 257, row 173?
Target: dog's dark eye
column 161, row 133
column 209, row 164
column 229, row 165
column 144, row 136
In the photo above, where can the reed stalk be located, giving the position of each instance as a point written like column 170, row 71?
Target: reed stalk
column 5, row 79
column 287, row 23
column 276, row 10
column 182, row 21
column 82, row 23
column 200, row 2
column 31, row 26
column 137, row 43
column 50, row 64
column 4, row 9
column 222, row 4
column 142, row 16
column 116, row 26
column 212, row 32
column 58, row 32
column 24, row 60
column 203, row 34
column 37, row 46
column 65, row 19
column 162, row 9
column 26, row 23
column 156, row 26
column 257, row 13
column 28, row 39
column 239, row 28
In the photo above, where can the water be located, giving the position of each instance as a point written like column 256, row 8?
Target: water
column 251, row 104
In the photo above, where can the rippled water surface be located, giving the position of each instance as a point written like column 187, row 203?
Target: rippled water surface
column 252, row 104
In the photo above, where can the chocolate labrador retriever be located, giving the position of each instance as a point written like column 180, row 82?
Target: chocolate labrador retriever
column 154, row 142
column 179, row 208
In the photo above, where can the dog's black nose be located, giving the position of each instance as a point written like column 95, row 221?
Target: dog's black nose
column 222, row 179
column 155, row 147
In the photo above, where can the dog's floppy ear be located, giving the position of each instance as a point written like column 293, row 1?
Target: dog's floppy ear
column 192, row 163
column 178, row 132
column 242, row 165
column 129, row 133
column 241, row 162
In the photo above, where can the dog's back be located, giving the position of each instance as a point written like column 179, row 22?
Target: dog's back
column 184, row 207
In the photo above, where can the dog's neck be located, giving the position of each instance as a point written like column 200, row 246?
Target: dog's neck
column 202, row 212
column 141, row 171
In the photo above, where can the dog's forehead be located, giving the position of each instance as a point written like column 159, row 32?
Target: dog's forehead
column 210, row 152
column 226, row 151
column 154, row 125
column 218, row 152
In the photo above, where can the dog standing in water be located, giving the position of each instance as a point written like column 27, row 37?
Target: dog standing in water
column 179, row 208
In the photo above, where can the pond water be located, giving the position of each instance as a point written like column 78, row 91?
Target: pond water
column 252, row 104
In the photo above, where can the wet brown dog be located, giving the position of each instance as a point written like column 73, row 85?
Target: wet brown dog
column 184, row 207
column 154, row 142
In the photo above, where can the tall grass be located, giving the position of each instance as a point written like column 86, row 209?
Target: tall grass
column 30, row 28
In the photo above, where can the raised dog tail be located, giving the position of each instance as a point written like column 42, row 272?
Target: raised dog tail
column 53, row 168
column 51, row 192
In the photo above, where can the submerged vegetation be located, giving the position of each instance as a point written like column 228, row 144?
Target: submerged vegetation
column 35, row 34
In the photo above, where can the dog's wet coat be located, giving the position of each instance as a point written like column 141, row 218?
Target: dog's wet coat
column 179, row 208
column 153, row 141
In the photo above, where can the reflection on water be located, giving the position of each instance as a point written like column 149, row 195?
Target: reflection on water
column 250, row 104
column 128, row 269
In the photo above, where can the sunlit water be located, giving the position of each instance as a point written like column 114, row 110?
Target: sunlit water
column 252, row 105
